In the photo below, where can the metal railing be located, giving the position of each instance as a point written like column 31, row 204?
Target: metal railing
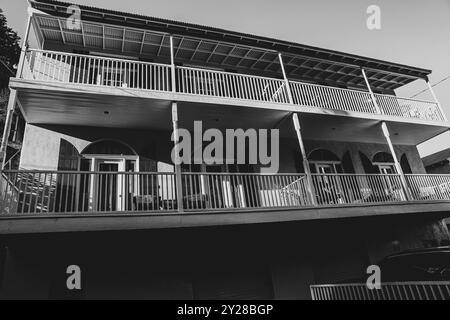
column 46, row 65
column 230, row 85
column 312, row 95
column 429, row 186
column 335, row 189
column 31, row 192
column 429, row 290
column 409, row 108
column 242, row 190
column 24, row 191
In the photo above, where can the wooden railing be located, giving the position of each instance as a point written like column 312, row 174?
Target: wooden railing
column 438, row 290
column 43, row 65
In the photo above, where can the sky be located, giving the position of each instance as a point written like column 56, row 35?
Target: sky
column 413, row 32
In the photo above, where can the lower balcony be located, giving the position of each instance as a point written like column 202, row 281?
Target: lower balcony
column 31, row 193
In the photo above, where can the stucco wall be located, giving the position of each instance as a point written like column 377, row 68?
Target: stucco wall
column 41, row 144
column 41, row 147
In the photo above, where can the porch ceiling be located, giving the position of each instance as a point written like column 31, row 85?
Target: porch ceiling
column 71, row 108
column 88, row 109
column 105, row 31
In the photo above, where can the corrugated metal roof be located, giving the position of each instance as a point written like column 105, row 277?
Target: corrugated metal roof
column 194, row 43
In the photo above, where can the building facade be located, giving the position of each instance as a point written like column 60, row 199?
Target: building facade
column 104, row 99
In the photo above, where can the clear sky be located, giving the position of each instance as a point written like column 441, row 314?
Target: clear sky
column 413, row 32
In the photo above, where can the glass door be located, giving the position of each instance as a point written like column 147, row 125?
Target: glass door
column 109, row 190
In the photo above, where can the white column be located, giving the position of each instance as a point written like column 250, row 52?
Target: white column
column 387, row 135
column 24, row 45
column 309, row 184
column 436, row 100
column 178, row 178
column 311, row 193
column 172, row 64
column 372, row 96
column 288, row 87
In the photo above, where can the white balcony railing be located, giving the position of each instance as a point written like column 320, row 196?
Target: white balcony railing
column 230, row 85
column 45, row 65
column 335, row 189
column 438, row 290
column 311, row 95
column 409, row 108
column 243, row 190
column 93, row 70
column 429, row 186
column 31, row 192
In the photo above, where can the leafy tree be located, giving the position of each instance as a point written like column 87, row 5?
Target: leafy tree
column 9, row 51
column 9, row 58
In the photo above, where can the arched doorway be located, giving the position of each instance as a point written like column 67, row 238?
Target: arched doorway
column 107, row 188
column 325, row 165
column 384, row 162
column 324, row 161
column 389, row 183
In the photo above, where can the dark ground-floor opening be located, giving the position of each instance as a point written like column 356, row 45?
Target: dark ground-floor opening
column 265, row 261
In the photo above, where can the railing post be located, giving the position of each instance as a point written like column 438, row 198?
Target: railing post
column 310, row 187
column 386, row 133
column 24, row 44
column 372, row 96
column 172, row 65
column 178, row 178
column 430, row 87
column 286, row 81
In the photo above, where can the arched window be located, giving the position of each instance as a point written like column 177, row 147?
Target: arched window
column 112, row 147
column 367, row 164
column 68, row 156
column 347, row 163
column 385, row 163
column 405, row 164
column 324, row 161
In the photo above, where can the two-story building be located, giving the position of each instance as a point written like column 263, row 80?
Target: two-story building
column 96, row 185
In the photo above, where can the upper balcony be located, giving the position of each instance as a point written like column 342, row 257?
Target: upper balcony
column 121, row 54
column 203, row 85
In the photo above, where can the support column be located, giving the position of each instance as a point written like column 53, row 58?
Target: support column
column 172, row 65
column 436, row 100
column 397, row 164
column 288, row 87
column 177, row 165
column 178, row 177
column 13, row 94
column 309, row 185
column 372, row 96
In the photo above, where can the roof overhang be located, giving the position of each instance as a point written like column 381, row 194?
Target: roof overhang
column 146, row 37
